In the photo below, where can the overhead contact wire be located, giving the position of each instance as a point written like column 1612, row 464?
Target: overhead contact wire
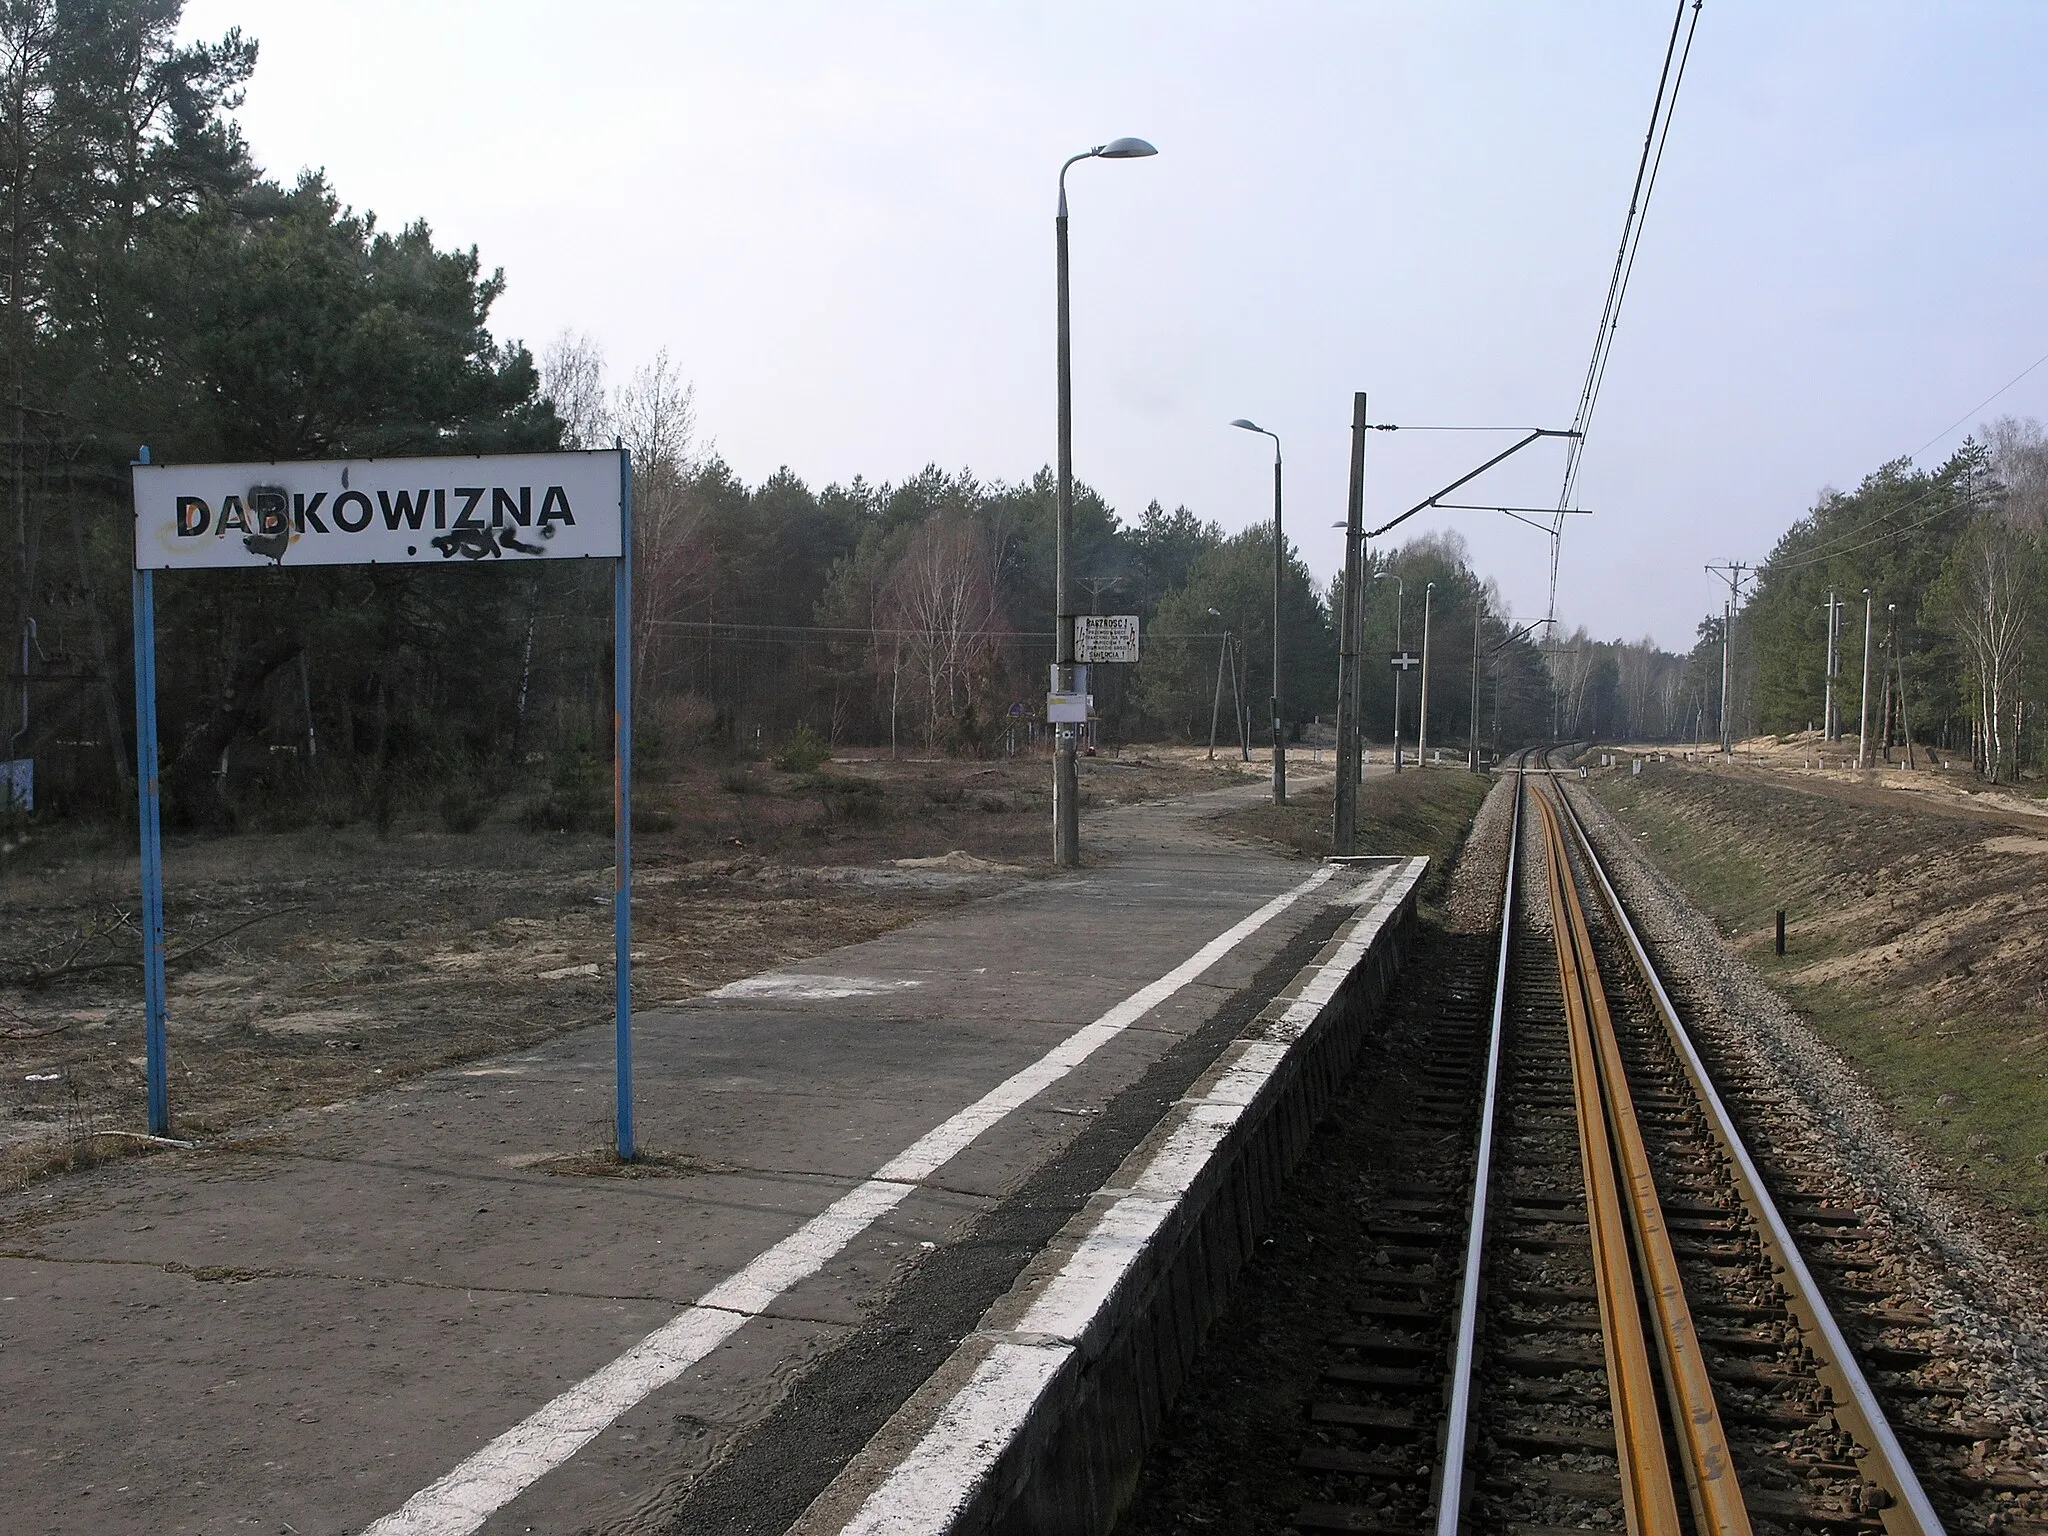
column 1662, row 107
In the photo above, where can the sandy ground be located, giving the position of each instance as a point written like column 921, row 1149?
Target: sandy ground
column 308, row 967
column 1939, row 778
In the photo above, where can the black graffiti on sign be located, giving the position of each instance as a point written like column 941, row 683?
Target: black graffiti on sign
column 269, row 516
column 470, row 543
column 272, row 535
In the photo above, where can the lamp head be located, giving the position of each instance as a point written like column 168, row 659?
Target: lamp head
column 1215, row 613
column 1124, row 149
column 1249, row 426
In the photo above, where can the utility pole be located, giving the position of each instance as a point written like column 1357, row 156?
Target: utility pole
column 1472, row 761
column 1097, row 585
column 1279, row 566
column 1831, row 713
column 1344, row 831
column 1905, row 709
column 1422, row 715
column 1400, row 598
column 1732, row 573
column 1863, row 723
column 1216, row 704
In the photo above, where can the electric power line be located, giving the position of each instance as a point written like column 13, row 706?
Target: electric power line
column 1973, row 410
column 1648, row 165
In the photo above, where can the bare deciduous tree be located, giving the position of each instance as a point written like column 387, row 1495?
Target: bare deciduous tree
column 655, row 415
column 572, row 379
column 1989, row 596
column 944, row 601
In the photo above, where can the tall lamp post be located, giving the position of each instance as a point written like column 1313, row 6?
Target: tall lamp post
column 1279, row 566
column 1066, row 784
column 1400, row 597
column 1422, row 715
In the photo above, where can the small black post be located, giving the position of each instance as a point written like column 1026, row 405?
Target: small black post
column 1781, row 930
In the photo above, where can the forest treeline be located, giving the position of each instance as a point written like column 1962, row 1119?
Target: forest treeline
column 159, row 289
column 1946, row 570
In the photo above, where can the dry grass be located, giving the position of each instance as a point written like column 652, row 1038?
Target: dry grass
column 1420, row 811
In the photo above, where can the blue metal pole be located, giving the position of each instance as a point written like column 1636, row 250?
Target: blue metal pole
column 622, row 803
column 156, row 1047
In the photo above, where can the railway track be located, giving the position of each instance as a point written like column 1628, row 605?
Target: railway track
column 1589, row 1305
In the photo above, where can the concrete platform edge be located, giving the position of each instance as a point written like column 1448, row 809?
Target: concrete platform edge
column 1040, row 1419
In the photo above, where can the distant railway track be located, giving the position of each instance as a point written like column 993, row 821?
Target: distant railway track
column 1591, row 1305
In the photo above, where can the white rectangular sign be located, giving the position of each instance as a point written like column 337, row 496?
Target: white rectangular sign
column 525, row 506
column 1106, row 637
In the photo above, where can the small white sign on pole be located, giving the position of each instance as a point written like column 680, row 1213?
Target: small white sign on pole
column 558, row 506
column 1106, row 637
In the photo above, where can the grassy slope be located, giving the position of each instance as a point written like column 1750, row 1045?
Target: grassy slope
column 1913, row 948
column 1416, row 812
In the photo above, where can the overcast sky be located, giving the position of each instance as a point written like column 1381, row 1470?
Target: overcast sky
column 838, row 220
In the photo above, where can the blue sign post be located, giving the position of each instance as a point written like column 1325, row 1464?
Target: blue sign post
column 381, row 511
column 622, row 811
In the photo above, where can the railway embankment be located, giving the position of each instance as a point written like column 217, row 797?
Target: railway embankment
column 1916, row 948
column 1880, row 1057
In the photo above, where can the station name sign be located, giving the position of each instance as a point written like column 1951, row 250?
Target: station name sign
column 439, row 511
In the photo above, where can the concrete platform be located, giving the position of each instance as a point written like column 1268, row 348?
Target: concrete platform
column 381, row 1317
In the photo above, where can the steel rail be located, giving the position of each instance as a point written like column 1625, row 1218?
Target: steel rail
column 1716, row 1495
column 1649, row 1501
column 1855, row 1405
column 1451, row 1481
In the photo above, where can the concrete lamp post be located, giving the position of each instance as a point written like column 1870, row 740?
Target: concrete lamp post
column 1279, row 568
column 1066, row 784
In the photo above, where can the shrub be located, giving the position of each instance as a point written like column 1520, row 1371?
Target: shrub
column 850, row 799
column 463, row 810
column 576, row 794
column 804, row 752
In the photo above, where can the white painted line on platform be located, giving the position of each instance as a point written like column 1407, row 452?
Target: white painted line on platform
column 465, row 1498
column 925, row 1492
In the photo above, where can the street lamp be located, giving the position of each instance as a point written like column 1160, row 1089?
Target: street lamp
column 1066, row 785
column 1422, row 715
column 1400, row 597
column 1279, row 564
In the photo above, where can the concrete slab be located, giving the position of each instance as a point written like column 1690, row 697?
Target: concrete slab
column 304, row 1335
